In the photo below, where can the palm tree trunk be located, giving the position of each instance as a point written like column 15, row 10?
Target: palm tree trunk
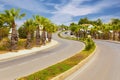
column 0, row 34
column 79, row 34
column 38, row 36
column 43, row 37
column 84, row 33
column 14, row 38
column 28, row 42
column 113, row 35
column 118, row 35
column 0, row 38
column 109, row 35
column 49, row 36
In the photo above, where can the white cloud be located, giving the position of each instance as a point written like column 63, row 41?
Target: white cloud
column 61, row 18
column 76, row 8
column 65, row 11
column 31, row 5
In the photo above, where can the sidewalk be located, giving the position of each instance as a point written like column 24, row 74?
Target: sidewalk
column 27, row 51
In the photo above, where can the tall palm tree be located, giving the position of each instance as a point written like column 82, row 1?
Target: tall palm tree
column 50, row 29
column 11, row 15
column 29, row 27
column 44, row 22
column 37, row 21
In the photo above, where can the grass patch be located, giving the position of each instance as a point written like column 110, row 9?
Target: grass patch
column 54, row 70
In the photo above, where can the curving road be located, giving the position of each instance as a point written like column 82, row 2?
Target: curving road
column 105, row 64
column 24, row 65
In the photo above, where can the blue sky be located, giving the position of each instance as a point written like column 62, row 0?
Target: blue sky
column 65, row 11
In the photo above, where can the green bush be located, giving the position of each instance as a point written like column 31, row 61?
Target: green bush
column 89, row 43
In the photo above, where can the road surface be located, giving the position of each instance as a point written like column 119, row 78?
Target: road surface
column 105, row 64
column 24, row 65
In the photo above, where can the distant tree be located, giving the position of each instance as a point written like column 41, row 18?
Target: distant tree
column 22, row 32
column 115, row 23
column 84, row 21
column 98, row 22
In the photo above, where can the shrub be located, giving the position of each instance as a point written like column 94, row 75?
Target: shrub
column 21, row 43
column 4, row 44
column 89, row 43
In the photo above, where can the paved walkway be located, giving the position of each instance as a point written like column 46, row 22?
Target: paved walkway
column 27, row 51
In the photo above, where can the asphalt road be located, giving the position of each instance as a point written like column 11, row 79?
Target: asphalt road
column 24, row 65
column 105, row 64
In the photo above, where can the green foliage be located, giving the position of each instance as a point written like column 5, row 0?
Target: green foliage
column 22, row 33
column 29, row 26
column 63, row 27
column 89, row 44
column 7, row 21
column 9, row 16
column 87, row 21
column 83, row 21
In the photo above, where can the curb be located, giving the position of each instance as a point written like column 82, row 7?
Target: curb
column 62, row 76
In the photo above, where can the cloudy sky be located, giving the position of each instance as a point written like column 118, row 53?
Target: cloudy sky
column 65, row 11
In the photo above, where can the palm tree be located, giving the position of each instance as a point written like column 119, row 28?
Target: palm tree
column 76, row 30
column 37, row 21
column 50, row 29
column 44, row 22
column 11, row 15
column 73, row 28
column 115, row 26
column 29, row 27
column 106, row 31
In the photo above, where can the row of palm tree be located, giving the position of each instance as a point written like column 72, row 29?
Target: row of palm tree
column 8, row 18
column 35, row 25
column 98, row 29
